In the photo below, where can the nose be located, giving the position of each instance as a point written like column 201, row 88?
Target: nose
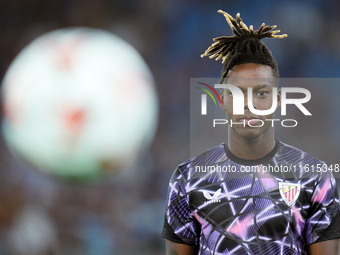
column 246, row 102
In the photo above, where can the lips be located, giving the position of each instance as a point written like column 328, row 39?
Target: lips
column 249, row 120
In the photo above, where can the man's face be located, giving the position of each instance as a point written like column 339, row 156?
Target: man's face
column 260, row 79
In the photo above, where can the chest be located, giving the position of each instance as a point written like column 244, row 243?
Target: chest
column 251, row 206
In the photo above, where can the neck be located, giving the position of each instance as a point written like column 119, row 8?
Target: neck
column 250, row 149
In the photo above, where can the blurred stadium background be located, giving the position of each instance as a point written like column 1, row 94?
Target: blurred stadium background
column 124, row 215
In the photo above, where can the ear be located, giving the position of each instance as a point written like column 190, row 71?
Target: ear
column 222, row 99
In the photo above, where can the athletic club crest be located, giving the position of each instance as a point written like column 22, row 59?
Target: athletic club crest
column 289, row 192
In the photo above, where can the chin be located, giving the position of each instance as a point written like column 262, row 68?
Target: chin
column 249, row 133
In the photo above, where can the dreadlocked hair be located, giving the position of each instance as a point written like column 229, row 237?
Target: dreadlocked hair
column 244, row 46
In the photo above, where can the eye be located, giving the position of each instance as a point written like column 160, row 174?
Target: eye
column 262, row 93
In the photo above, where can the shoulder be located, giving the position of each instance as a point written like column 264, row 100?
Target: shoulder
column 306, row 165
column 295, row 155
column 212, row 156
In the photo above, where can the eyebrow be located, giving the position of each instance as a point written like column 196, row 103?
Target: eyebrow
column 256, row 87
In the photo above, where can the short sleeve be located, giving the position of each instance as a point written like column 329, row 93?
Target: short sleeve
column 180, row 225
column 323, row 222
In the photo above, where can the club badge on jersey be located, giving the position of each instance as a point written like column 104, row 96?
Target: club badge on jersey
column 289, row 192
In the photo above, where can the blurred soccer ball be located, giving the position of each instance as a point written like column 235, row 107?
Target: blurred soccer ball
column 78, row 103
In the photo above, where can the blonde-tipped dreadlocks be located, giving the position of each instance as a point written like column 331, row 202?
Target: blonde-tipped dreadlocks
column 244, row 46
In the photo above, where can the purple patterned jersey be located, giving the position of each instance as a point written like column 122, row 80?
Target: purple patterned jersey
column 278, row 204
